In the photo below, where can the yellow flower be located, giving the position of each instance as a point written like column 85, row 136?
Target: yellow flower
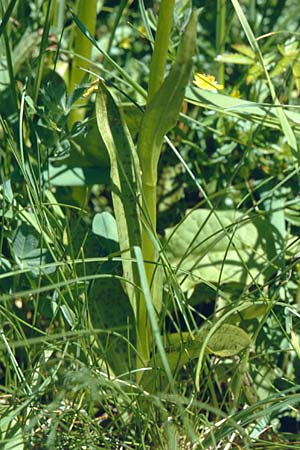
column 125, row 43
column 207, row 82
column 235, row 93
column 142, row 30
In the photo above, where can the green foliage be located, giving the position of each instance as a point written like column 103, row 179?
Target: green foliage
column 124, row 173
column 226, row 341
column 28, row 253
column 163, row 109
column 149, row 284
column 117, row 330
column 222, row 247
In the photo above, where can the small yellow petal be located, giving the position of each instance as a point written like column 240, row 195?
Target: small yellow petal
column 235, row 93
column 125, row 43
column 93, row 88
column 142, row 30
column 207, row 82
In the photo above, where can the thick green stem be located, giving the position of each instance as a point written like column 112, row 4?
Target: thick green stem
column 161, row 47
column 157, row 73
column 143, row 324
column 86, row 13
column 149, row 207
column 165, row 98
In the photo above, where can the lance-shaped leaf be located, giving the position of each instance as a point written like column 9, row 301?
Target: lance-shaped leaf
column 124, row 170
column 163, row 110
column 227, row 340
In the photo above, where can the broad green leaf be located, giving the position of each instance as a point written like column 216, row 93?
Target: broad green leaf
column 88, row 149
column 30, row 219
column 27, row 251
column 104, row 225
column 244, row 50
column 110, row 311
column 87, row 163
column 254, row 311
column 7, row 191
column 292, row 214
column 124, row 172
column 227, row 341
column 239, row 252
column 79, row 240
column 75, row 176
column 280, row 67
column 163, row 110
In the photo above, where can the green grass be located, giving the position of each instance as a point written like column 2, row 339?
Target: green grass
column 131, row 319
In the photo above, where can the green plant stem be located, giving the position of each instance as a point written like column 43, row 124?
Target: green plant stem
column 148, row 251
column 157, row 72
column 149, row 206
column 220, row 36
column 161, row 47
column 160, row 116
column 87, row 14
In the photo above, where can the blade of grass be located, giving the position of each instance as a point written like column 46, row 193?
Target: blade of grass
column 10, row 68
column 7, row 15
column 146, row 21
column 272, row 404
column 14, row 363
column 121, row 8
column 43, row 45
